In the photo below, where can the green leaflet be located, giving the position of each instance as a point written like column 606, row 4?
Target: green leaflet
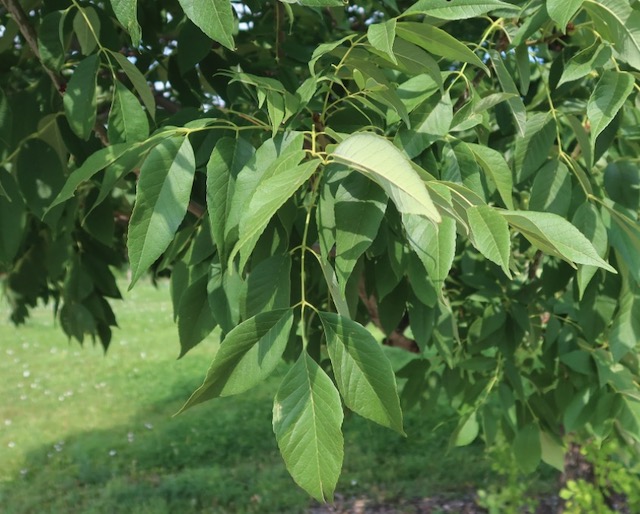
column 39, row 174
column 49, row 41
column 164, row 189
column 227, row 159
column 316, row 3
column 138, row 81
column 363, row 373
column 247, row 356
column 268, row 286
column 607, row 98
column 195, row 319
column 86, row 25
column 490, row 235
column 533, row 149
column 466, row 431
column 213, row 17
column 585, row 61
column 619, row 23
column 457, row 9
column 551, row 190
column 587, row 219
column 381, row 36
column 127, row 13
column 282, row 152
column 625, row 331
column 80, row 98
column 435, row 245
column 562, row 11
column 359, row 207
column 555, row 235
column 127, row 120
column 379, row 160
column 438, row 42
column 515, row 103
column 270, row 194
column 13, row 218
column 527, row 448
column 307, row 420
column 496, row 169
column 622, row 182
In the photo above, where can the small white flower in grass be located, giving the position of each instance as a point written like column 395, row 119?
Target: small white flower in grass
column 130, row 437
column 148, row 426
column 23, row 397
column 7, row 422
column 24, row 471
column 26, row 373
column 9, row 352
column 112, row 453
column 11, row 444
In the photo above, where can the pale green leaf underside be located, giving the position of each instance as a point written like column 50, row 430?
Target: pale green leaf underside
column 307, row 420
column 164, row 189
column 80, row 98
column 248, row 355
column 490, row 235
column 379, row 160
column 556, row 236
column 561, row 11
column 457, row 9
column 363, row 373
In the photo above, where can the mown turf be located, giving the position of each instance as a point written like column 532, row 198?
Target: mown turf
column 81, row 432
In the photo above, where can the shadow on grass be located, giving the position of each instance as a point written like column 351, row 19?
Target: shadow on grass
column 222, row 457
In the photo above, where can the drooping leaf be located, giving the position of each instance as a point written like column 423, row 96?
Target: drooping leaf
column 86, row 25
column 127, row 13
column 359, row 207
column 515, row 103
column 247, row 356
column 588, row 220
column 555, row 235
column 271, row 193
column 363, row 373
column 435, row 245
column 138, row 82
column 227, row 159
column 381, row 36
column 49, row 42
column 39, row 174
column 490, row 235
column 379, row 160
column 195, row 319
column 13, row 218
column 457, row 9
column 527, row 448
column 496, row 169
column 533, row 149
column 268, row 286
column 438, row 42
column 213, row 17
column 625, row 330
column 80, row 98
column 562, row 11
column 307, row 416
column 164, row 189
column 607, row 98
column 127, row 120
column 551, row 191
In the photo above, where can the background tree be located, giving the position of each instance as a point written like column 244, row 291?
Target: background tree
column 462, row 174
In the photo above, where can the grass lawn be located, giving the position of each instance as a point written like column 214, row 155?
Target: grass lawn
column 81, row 432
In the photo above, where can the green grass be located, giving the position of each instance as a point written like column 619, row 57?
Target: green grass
column 81, row 432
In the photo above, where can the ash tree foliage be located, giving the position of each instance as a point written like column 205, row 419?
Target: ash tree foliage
column 461, row 174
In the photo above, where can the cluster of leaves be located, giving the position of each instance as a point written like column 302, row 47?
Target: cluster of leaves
column 463, row 175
